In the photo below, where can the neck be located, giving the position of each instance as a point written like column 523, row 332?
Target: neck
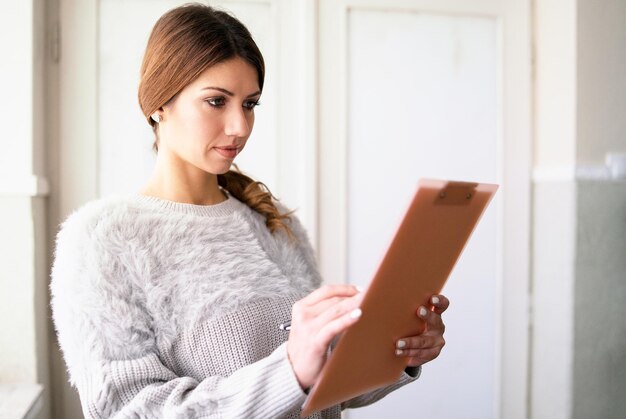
column 178, row 181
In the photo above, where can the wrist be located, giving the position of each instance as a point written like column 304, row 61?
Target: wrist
column 302, row 382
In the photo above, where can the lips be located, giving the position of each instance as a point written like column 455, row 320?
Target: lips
column 229, row 152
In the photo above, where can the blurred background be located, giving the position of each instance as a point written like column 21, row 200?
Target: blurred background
column 362, row 99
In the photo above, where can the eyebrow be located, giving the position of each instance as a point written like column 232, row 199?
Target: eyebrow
column 228, row 92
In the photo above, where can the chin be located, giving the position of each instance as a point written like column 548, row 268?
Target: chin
column 219, row 170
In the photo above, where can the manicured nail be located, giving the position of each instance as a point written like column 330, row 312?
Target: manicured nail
column 358, row 288
column 398, row 351
column 401, row 344
column 423, row 312
column 356, row 313
column 435, row 300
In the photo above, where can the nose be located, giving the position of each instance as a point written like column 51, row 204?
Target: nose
column 237, row 123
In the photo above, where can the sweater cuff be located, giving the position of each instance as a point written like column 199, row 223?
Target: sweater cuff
column 288, row 376
column 283, row 382
column 277, row 391
column 413, row 372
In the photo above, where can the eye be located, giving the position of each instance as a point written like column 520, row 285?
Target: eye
column 216, row 102
column 251, row 104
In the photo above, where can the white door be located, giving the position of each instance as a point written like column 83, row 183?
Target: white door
column 439, row 89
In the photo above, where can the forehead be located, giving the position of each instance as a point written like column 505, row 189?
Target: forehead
column 235, row 75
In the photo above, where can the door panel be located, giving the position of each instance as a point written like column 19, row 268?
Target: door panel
column 423, row 103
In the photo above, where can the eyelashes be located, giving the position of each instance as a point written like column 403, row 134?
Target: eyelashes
column 220, row 101
column 216, row 102
column 251, row 104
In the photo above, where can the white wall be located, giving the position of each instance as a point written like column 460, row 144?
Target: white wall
column 554, row 234
column 555, row 85
column 554, row 254
column 23, row 254
column 17, row 83
column 579, row 284
column 580, row 89
column 601, row 84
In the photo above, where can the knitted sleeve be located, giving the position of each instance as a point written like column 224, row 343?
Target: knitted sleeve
column 144, row 388
column 110, row 349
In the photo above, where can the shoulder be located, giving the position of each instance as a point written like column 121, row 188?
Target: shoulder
column 302, row 243
column 118, row 222
column 97, row 307
column 294, row 255
column 95, row 215
column 86, row 243
column 295, row 225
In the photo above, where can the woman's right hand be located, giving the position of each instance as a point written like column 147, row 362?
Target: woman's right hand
column 315, row 321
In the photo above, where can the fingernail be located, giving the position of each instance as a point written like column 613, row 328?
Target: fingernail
column 356, row 313
column 435, row 300
column 423, row 312
column 398, row 351
column 401, row 344
column 358, row 288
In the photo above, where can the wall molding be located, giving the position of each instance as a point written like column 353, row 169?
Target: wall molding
column 21, row 400
column 571, row 173
column 25, row 186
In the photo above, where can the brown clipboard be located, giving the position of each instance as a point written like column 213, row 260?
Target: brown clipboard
column 422, row 254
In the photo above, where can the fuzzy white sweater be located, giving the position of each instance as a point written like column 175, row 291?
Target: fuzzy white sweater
column 169, row 310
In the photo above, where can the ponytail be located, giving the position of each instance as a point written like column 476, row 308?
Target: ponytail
column 257, row 196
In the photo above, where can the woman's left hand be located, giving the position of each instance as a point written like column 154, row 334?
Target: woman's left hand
column 427, row 346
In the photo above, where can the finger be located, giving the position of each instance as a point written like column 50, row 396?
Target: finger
column 337, row 326
column 320, row 306
column 340, row 309
column 325, row 304
column 328, row 291
column 419, row 355
column 420, row 342
column 433, row 320
column 440, row 303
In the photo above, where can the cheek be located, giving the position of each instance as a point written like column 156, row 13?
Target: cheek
column 200, row 127
column 210, row 127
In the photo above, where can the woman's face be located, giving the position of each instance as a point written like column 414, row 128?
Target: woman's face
column 208, row 123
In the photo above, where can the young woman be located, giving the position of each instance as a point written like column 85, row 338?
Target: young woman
column 167, row 303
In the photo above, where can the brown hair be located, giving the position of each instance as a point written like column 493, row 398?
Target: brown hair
column 184, row 42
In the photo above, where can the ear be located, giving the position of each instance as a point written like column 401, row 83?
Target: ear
column 158, row 115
